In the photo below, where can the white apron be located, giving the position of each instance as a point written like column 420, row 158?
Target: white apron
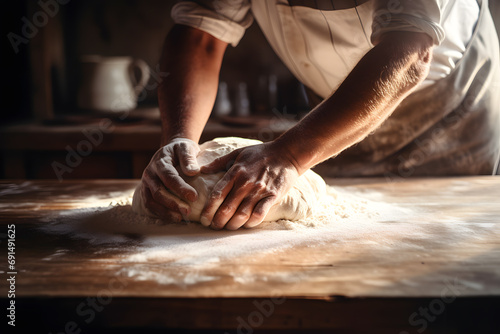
column 449, row 127
column 309, row 52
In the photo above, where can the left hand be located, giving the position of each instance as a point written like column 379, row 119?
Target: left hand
column 259, row 177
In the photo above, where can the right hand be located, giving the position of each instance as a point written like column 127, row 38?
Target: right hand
column 163, row 191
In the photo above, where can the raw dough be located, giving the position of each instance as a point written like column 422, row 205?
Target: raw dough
column 298, row 204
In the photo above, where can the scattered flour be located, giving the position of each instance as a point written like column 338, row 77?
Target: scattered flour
column 150, row 247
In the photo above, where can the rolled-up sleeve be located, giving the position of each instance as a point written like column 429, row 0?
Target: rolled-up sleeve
column 409, row 15
column 226, row 20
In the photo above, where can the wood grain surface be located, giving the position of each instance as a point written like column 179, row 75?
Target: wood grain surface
column 454, row 255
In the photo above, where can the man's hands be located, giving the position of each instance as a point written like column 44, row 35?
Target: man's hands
column 257, row 177
column 164, row 192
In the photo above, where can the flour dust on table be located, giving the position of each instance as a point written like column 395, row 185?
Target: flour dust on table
column 149, row 246
column 299, row 203
column 311, row 214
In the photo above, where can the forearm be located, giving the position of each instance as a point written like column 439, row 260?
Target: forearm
column 367, row 97
column 186, row 96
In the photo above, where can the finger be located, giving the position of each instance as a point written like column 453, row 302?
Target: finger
column 221, row 164
column 228, row 208
column 260, row 211
column 242, row 214
column 159, row 210
column 172, row 181
column 164, row 198
column 216, row 198
column 257, row 192
column 186, row 154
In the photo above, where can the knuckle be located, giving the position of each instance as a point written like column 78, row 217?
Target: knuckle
column 272, row 193
column 260, row 185
column 238, row 169
column 281, row 179
column 164, row 151
column 243, row 216
column 157, row 194
column 176, row 218
column 216, row 195
column 226, row 209
column 167, row 169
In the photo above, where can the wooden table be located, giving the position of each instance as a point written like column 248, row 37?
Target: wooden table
column 436, row 268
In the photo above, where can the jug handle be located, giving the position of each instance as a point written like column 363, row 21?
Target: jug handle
column 144, row 75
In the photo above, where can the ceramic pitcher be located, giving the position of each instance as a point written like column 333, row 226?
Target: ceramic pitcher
column 109, row 83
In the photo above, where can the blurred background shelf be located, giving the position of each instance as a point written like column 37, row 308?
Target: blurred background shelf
column 119, row 147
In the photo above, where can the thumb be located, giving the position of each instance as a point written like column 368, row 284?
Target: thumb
column 189, row 163
column 221, row 164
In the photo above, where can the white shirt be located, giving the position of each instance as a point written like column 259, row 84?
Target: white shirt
column 321, row 41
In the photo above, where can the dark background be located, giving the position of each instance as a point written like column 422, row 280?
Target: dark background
column 41, row 81
column 114, row 28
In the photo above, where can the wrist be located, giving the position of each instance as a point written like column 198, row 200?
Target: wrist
column 283, row 149
column 169, row 138
column 175, row 140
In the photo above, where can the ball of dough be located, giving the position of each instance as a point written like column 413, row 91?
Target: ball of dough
column 299, row 202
